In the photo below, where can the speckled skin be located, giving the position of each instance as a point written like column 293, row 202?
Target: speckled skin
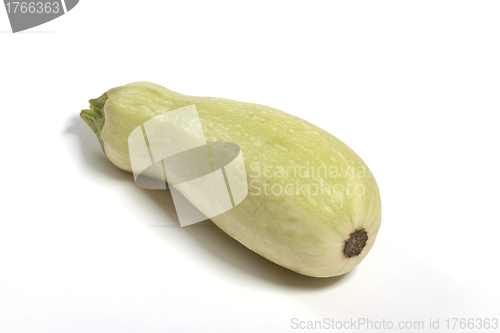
column 304, row 230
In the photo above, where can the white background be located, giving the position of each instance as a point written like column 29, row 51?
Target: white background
column 412, row 87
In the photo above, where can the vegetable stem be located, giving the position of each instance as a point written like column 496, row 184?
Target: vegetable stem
column 94, row 117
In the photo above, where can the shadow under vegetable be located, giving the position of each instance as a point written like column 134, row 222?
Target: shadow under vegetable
column 213, row 239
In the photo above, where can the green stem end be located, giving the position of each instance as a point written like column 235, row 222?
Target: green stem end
column 94, row 117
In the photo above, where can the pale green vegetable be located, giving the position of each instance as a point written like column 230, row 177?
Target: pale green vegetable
column 327, row 215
